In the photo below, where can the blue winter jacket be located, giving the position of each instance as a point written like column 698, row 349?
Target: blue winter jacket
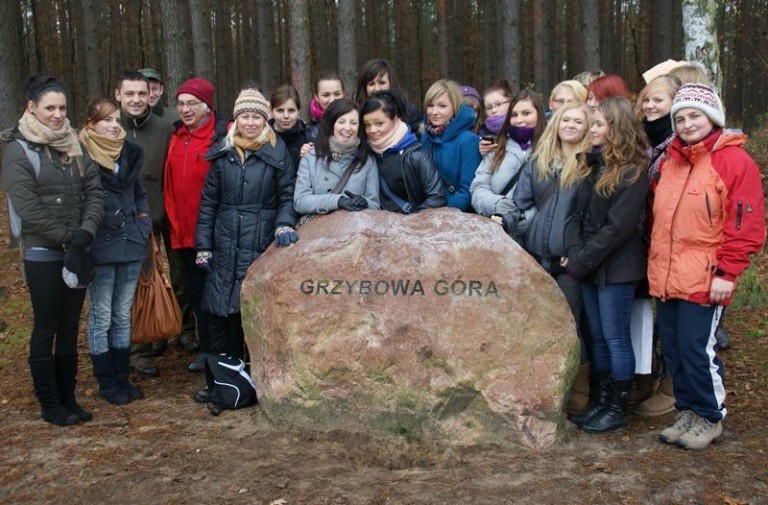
column 457, row 156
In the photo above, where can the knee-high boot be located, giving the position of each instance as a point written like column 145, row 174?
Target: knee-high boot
column 122, row 360
column 109, row 388
column 66, row 380
column 44, row 382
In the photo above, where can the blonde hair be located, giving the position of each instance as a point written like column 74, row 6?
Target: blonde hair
column 577, row 88
column 229, row 140
column 624, row 149
column 691, row 73
column 664, row 83
column 440, row 87
column 549, row 150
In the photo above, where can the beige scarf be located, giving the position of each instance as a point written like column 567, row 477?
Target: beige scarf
column 395, row 136
column 242, row 144
column 103, row 150
column 63, row 140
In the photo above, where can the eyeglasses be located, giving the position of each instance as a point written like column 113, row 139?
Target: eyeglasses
column 493, row 106
column 192, row 104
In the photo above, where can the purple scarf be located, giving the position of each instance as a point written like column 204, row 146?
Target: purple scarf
column 523, row 135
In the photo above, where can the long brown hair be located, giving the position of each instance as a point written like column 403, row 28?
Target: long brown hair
column 624, row 149
column 502, row 138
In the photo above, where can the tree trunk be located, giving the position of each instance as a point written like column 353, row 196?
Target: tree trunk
column 226, row 81
column 90, row 49
column 11, row 102
column 511, row 40
column 662, row 33
column 175, row 24
column 590, row 36
column 347, row 45
column 542, row 29
column 202, row 45
column 299, row 47
column 267, row 53
column 442, row 37
column 700, row 29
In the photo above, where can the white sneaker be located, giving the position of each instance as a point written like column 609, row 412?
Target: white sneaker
column 700, row 434
column 683, row 422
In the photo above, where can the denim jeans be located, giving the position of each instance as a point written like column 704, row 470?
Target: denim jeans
column 110, row 298
column 56, row 310
column 609, row 313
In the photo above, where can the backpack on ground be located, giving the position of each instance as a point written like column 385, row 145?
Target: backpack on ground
column 233, row 387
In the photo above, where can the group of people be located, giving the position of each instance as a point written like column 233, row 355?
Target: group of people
column 615, row 199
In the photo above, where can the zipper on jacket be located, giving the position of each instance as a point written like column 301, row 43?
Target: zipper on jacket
column 709, row 208
column 739, row 212
column 405, row 182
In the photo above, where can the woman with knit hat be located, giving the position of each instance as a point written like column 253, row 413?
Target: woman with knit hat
column 54, row 188
column 338, row 173
column 117, row 250
column 708, row 218
column 247, row 203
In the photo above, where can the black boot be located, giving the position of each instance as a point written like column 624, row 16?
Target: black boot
column 66, row 379
column 122, row 360
column 44, row 381
column 109, row 389
column 615, row 414
column 599, row 386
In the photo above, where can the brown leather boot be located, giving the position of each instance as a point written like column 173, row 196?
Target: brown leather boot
column 663, row 402
column 578, row 399
column 643, row 388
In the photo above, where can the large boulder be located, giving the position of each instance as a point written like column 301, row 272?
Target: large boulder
column 435, row 325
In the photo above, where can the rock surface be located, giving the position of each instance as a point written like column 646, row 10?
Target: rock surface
column 431, row 326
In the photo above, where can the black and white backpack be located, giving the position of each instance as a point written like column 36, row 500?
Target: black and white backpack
column 233, row 387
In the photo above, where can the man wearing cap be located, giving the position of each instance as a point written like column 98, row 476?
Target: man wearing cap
column 156, row 90
column 186, row 168
column 152, row 134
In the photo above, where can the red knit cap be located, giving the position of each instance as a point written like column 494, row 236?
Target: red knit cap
column 198, row 87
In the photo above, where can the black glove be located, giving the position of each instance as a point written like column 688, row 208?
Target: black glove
column 78, row 261
column 510, row 221
column 285, row 236
column 352, row 202
column 79, row 238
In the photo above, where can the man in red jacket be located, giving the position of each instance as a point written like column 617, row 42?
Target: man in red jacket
column 185, row 171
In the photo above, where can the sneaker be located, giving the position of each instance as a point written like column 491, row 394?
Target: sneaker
column 701, row 433
column 683, row 423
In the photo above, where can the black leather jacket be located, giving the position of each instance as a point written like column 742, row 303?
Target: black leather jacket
column 423, row 185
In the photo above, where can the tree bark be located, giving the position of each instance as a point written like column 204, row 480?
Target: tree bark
column 700, row 29
column 175, row 24
column 511, row 40
column 347, row 45
column 11, row 102
column 663, row 31
column 299, row 47
column 226, row 80
column 442, row 37
column 542, row 29
column 90, row 49
column 202, row 45
column 590, row 36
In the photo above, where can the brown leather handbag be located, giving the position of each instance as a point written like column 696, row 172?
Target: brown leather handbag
column 155, row 314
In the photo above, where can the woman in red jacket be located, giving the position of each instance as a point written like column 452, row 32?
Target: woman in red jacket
column 708, row 218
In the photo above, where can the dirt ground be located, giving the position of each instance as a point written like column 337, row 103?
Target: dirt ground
column 166, row 449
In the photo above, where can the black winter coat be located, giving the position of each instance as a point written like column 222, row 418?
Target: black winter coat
column 294, row 139
column 123, row 236
column 423, row 184
column 240, row 209
column 604, row 240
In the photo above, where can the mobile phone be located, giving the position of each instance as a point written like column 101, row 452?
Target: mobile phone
column 489, row 138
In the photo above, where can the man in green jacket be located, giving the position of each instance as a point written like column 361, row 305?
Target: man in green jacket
column 156, row 90
column 152, row 133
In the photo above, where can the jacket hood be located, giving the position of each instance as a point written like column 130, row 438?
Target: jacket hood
column 463, row 120
column 716, row 141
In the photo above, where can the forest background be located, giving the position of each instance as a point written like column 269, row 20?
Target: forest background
column 534, row 43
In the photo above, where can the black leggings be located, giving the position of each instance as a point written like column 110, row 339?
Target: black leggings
column 56, row 309
column 194, row 278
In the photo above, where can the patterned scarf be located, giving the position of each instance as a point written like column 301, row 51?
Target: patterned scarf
column 437, row 130
column 63, row 140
